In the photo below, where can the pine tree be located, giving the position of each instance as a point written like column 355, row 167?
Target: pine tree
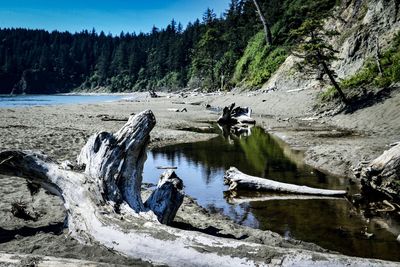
column 312, row 46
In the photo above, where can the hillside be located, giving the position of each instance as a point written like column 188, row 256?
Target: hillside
column 217, row 52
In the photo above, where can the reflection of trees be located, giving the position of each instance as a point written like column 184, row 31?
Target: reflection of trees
column 265, row 155
column 257, row 154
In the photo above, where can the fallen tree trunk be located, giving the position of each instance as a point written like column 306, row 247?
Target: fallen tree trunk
column 382, row 175
column 231, row 115
column 236, row 180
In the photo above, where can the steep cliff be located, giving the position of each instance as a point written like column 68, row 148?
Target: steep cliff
column 363, row 26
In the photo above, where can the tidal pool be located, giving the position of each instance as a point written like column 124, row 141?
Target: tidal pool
column 334, row 224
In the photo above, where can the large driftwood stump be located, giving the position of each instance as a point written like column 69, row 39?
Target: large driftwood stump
column 233, row 115
column 382, row 175
column 236, row 180
column 104, row 207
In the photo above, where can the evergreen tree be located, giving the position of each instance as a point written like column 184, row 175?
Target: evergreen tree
column 315, row 50
column 206, row 51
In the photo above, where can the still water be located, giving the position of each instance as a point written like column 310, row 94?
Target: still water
column 43, row 100
column 331, row 223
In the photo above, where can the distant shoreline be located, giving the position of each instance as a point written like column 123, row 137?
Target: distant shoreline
column 29, row 100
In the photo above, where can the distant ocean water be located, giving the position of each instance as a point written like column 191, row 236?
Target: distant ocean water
column 44, row 100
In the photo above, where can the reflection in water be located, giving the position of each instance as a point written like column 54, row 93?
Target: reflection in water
column 332, row 223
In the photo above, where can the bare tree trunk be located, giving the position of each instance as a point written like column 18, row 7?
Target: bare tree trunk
column 334, row 83
column 267, row 30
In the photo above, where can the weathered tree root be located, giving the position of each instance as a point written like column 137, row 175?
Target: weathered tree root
column 382, row 175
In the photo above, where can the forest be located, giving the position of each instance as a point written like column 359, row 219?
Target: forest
column 213, row 53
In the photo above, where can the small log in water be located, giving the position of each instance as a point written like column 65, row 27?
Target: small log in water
column 236, row 180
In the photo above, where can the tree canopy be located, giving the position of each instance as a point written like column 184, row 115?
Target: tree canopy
column 174, row 57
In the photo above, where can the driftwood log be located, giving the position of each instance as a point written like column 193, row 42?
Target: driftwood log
column 238, row 180
column 382, row 175
column 153, row 94
column 233, row 115
column 104, row 207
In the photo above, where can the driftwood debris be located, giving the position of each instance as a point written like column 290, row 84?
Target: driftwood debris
column 104, row 204
column 177, row 109
column 153, row 94
column 233, row 115
column 382, row 175
column 236, row 180
column 104, row 207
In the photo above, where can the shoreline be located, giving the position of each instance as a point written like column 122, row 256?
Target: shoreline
column 61, row 132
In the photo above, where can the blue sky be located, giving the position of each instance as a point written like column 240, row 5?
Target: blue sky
column 111, row 16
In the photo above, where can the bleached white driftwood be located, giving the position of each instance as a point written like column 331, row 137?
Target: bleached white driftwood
column 382, row 174
column 236, row 179
column 104, row 207
column 232, row 115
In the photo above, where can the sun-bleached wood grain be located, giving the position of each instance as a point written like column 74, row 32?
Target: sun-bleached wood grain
column 236, row 180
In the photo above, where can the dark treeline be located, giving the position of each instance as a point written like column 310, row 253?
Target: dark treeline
column 204, row 54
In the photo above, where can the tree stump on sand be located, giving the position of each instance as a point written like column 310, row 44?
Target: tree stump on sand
column 231, row 115
column 382, row 175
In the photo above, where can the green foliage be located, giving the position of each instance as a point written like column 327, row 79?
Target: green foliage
column 369, row 76
column 258, row 62
column 171, row 81
column 366, row 76
column 329, row 94
column 311, row 45
column 202, row 54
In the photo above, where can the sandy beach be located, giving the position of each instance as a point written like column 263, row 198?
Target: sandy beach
column 332, row 144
